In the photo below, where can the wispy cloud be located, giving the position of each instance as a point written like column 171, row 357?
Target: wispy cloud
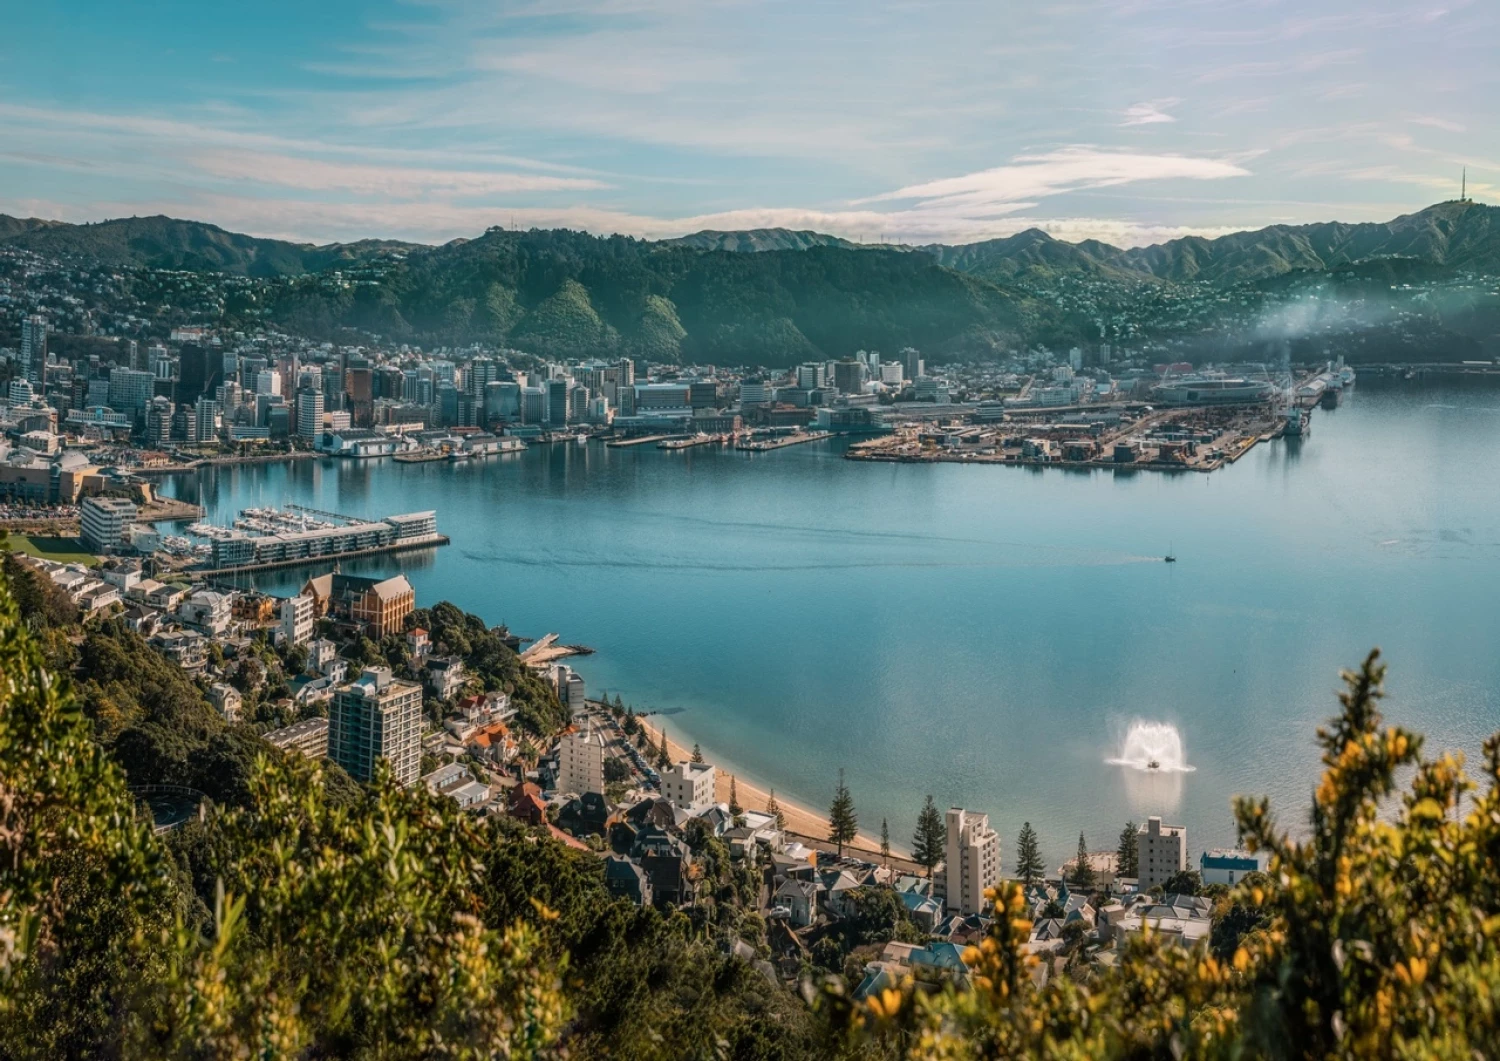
column 1031, row 177
column 311, row 174
column 1150, row 113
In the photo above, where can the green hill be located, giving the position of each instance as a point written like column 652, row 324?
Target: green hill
column 169, row 243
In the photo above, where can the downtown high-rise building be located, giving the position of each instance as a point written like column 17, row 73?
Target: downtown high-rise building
column 309, row 413
column 34, row 349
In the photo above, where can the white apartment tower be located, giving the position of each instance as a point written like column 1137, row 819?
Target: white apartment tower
column 580, row 761
column 297, row 615
column 1161, row 852
column 972, row 862
column 689, row 786
column 377, row 717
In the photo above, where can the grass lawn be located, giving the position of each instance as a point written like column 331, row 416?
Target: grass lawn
column 61, row 550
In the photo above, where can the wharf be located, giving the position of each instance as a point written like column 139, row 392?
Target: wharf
column 688, row 443
column 547, row 651
column 423, row 456
column 427, row 541
column 644, row 440
column 168, row 510
column 763, row 445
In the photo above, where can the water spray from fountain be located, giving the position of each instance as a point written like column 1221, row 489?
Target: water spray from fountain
column 1153, row 746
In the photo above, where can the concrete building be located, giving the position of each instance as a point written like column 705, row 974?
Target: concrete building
column 377, row 717
column 971, row 862
column 34, row 349
column 580, row 761
column 570, row 689
column 297, row 617
column 689, row 786
column 1230, row 866
column 104, row 520
column 309, row 413
column 308, row 737
column 1161, row 852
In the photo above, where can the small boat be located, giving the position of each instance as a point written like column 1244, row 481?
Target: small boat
column 1153, row 765
column 1169, row 558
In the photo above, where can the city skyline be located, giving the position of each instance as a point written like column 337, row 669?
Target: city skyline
column 1125, row 121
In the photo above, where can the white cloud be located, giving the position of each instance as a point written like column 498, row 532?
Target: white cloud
column 1150, row 113
column 311, row 174
column 1030, row 177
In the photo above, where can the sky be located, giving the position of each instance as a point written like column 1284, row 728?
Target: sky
column 1130, row 121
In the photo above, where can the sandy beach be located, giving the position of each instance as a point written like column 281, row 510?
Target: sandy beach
column 799, row 819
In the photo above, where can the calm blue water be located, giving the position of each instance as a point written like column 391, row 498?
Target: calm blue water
column 985, row 635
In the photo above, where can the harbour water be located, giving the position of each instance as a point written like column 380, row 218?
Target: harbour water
column 987, row 635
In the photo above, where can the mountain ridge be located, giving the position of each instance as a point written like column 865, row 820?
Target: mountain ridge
column 1454, row 234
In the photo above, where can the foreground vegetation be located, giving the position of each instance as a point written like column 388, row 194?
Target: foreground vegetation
column 300, row 918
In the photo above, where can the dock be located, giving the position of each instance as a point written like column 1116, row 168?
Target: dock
column 419, row 456
column 694, row 440
column 547, row 651
column 765, row 444
column 643, row 440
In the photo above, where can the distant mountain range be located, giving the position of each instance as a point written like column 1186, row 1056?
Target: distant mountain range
column 768, row 295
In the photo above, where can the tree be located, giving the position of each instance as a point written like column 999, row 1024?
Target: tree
column 664, row 752
column 697, row 753
column 843, row 824
column 885, row 839
column 930, row 842
column 1183, row 882
column 774, row 810
column 1029, row 866
column 1127, row 855
column 735, row 810
column 1083, row 868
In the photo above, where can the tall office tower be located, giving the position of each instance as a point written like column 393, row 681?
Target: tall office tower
column 268, row 381
column 482, row 372
column 198, row 372
column 309, row 413
column 208, row 413
column 627, row 372
column 129, row 391
column 972, row 862
column 557, row 402
column 129, row 352
column 34, row 348
column 377, row 717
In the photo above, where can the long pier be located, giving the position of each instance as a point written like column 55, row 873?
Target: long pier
column 428, row 541
column 643, row 440
column 762, row 445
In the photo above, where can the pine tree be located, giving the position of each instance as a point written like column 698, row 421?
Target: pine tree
column 843, row 824
column 774, row 810
column 1127, row 856
column 697, row 753
column 1083, row 869
column 664, row 753
column 735, row 810
column 1029, row 867
column 930, row 842
column 885, row 839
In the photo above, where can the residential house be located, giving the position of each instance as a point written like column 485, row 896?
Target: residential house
column 226, row 700
column 626, row 880
column 1230, row 866
column 800, row 898
column 586, row 815
column 445, row 676
column 525, row 802
column 308, row 737
column 1180, row 919
column 207, row 611
column 668, row 861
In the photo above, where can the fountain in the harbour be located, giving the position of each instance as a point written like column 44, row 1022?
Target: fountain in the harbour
column 1153, row 746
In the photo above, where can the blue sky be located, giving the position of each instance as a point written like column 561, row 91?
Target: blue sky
column 1124, row 120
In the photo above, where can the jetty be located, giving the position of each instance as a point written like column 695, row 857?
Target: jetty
column 643, row 440
column 763, row 444
column 691, row 441
column 547, row 651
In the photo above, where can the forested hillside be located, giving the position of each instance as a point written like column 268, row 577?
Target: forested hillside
column 302, row 919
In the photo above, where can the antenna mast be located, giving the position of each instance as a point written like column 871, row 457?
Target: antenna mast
column 1463, row 186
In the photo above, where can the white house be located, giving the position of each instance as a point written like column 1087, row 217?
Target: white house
column 689, row 786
